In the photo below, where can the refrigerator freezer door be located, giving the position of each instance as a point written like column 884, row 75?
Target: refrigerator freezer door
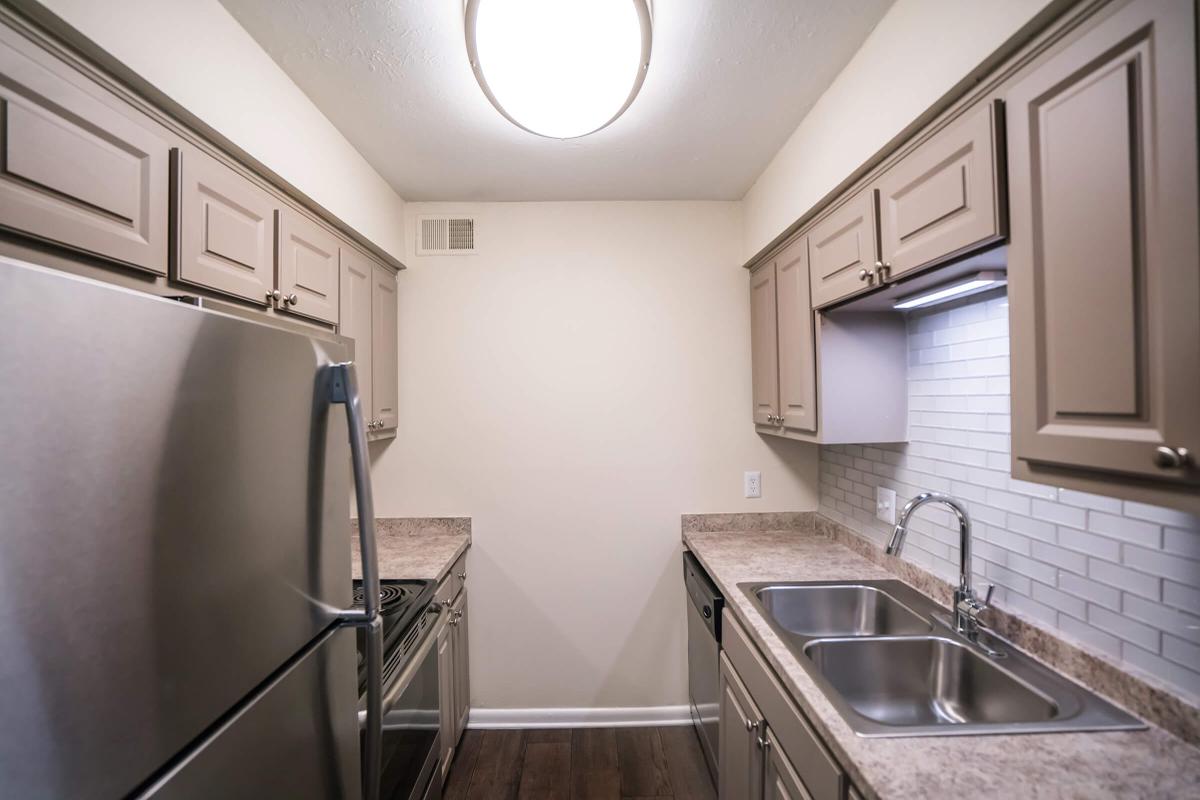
column 174, row 509
column 298, row 739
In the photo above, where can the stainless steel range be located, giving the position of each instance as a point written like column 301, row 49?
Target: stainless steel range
column 411, row 739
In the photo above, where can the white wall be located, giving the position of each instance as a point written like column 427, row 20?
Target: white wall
column 1119, row 577
column 916, row 54
column 196, row 53
column 574, row 388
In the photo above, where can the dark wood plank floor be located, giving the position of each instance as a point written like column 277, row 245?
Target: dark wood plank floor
column 580, row 764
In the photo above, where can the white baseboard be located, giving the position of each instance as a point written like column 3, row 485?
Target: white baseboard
column 578, row 717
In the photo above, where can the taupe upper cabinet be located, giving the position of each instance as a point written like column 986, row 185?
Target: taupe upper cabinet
column 368, row 316
column 796, row 347
column 384, row 332
column 225, row 226
column 843, row 251
column 308, row 267
column 764, row 344
column 358, row 279
column 828, row 376
column 945, row 198
column 77, row 168
column 1104, row 265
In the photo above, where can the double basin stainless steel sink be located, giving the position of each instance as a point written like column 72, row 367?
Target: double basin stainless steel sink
column 892, row 664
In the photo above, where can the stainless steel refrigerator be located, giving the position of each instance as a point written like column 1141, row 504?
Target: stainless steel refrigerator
column 175, row 594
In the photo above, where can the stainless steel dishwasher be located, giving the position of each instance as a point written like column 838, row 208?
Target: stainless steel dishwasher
column 704, row 649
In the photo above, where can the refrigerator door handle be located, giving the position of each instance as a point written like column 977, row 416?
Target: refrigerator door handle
column 344, row 390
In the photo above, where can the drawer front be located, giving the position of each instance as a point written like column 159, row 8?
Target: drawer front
column 78, row 170
column 840, row 247
column 942, row 199
column 225, row 228
column 308, row 267
column 822, row 777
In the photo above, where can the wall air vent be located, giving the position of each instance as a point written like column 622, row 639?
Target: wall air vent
column 445, row 236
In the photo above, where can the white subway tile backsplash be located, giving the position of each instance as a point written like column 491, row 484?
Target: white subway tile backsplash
column 1090, row 590
column 1090, row 543
column 1127, row 629
column 1059, row 514
column 1140, row 583
column 1163, row 564
column 1177, row 595
column 1182, row 542
column 1067, row 559
column 1120, row 577
column 1127, row 530
column 1181, row 652
column 1166, row 516
column 1165, row 618
column 1085, row 500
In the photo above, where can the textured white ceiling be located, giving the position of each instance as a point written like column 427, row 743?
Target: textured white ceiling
column 729, row 81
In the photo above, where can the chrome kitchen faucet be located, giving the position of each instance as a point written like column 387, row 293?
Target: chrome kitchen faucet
column 967, row 606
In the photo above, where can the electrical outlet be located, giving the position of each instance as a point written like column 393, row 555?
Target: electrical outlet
column 752, row 483
column 885, row 505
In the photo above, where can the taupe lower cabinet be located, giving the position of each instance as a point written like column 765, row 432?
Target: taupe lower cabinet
column 76, row 167
column 782, row 345
column 766, row 750
column 1104, row 265
column 368, row 316
column 225, row 228
column 454, row 673
column 739, row 756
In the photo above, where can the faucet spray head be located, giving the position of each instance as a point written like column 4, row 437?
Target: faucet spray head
column 897, row 542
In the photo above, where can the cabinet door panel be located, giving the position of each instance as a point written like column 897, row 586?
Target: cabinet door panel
column 445, row 646
column 764, row 344
column 354, row 297
column 1104, row 267
column 308, row 267
column 462, row 670
column 797, row 353
column 75, row 169
column 839, row 247
column 739, row 758
column 943, row 198
column 384, row 387
column 226, row 227
column 780, row 781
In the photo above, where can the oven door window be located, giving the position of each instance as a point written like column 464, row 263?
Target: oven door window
column 410, row 732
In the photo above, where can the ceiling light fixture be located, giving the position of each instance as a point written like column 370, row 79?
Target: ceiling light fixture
column 962, row 287
column 559, row 69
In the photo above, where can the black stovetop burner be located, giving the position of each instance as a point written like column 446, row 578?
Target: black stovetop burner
column 401, row 602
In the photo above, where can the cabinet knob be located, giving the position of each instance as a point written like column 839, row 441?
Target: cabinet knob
column 292, row 299
column 1172, row 457
column 865, row 274
column 462, row 576
column 881, row 270
column 275, row 295
column 750, row 726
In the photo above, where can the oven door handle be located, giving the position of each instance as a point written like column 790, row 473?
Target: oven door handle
column 343, row 386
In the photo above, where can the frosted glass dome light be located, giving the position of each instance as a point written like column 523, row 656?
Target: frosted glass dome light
column 559, row 68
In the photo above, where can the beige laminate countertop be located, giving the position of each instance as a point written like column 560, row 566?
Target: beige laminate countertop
column 412, row 552
column 1118, row 764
